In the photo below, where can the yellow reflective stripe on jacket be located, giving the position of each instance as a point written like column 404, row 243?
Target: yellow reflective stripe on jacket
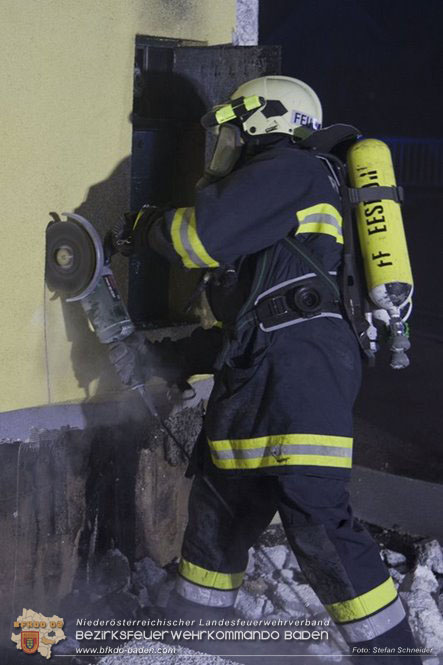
column 364, row 605
column 283, row 450
column 186, row 241
column 209, row 578
column 321, row 218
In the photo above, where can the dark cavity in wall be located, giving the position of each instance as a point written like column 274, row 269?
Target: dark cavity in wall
column 175, row 83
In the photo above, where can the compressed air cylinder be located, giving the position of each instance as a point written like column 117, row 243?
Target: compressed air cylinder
column 380, row 227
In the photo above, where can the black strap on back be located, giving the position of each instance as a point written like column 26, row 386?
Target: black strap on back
column 351, row 277
column 322, row 143
column 350, row 290
column 375, row 193
column 299, row 248
column 246, row 318
column 326, row 139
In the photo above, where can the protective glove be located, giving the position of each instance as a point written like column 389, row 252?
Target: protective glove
column 130, row 233
column 131, row 359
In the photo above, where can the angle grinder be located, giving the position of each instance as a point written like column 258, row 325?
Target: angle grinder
column 78, row 267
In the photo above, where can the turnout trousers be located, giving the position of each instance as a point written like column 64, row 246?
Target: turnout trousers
column 336, row 554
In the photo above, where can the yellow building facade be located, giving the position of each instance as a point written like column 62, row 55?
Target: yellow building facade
column 66, row 99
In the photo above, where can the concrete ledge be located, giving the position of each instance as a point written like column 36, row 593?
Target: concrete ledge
column 21, row 425
column 397, row 502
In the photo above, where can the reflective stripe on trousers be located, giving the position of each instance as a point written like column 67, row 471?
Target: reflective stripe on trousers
column 207, row 587
column 369, row 615
column 337, row 556
column 283, row 450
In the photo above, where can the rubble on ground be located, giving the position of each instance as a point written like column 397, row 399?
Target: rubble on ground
column 393, row 558
column 425, row 619
column 420, row 579
column 430, row 554
column 421, row 590
column 275, row 588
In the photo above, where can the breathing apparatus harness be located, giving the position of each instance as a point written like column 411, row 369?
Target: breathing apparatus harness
column 318, row 293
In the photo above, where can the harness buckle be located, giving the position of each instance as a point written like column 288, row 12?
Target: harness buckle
column 275, row 306
column 298, row 299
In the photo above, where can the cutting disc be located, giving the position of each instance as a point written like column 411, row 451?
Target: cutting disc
column 70, row 257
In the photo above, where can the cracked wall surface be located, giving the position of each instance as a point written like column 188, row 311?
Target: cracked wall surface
column 69, row 495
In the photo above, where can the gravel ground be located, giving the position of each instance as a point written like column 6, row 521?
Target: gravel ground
column 274, row 589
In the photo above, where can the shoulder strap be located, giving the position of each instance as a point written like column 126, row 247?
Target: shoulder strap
column 299, row 248
column 246, row 318
column 325, row 140
column 352, row 280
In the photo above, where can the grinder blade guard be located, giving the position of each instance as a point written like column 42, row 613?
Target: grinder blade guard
column 76, row 267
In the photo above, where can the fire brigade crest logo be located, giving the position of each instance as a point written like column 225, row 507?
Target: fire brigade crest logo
column 38, row 633
column 30, row 640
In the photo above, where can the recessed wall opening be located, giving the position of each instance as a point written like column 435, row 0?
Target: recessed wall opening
column 175, row 82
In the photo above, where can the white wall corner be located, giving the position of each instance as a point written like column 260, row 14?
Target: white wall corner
column 246, row 30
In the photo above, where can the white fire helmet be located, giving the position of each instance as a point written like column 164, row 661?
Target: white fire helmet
column 289, row 104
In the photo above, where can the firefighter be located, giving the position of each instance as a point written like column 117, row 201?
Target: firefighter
column 267, row 224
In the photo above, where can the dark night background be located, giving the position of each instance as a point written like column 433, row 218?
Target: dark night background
column 378, row 64
column 374, row 63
